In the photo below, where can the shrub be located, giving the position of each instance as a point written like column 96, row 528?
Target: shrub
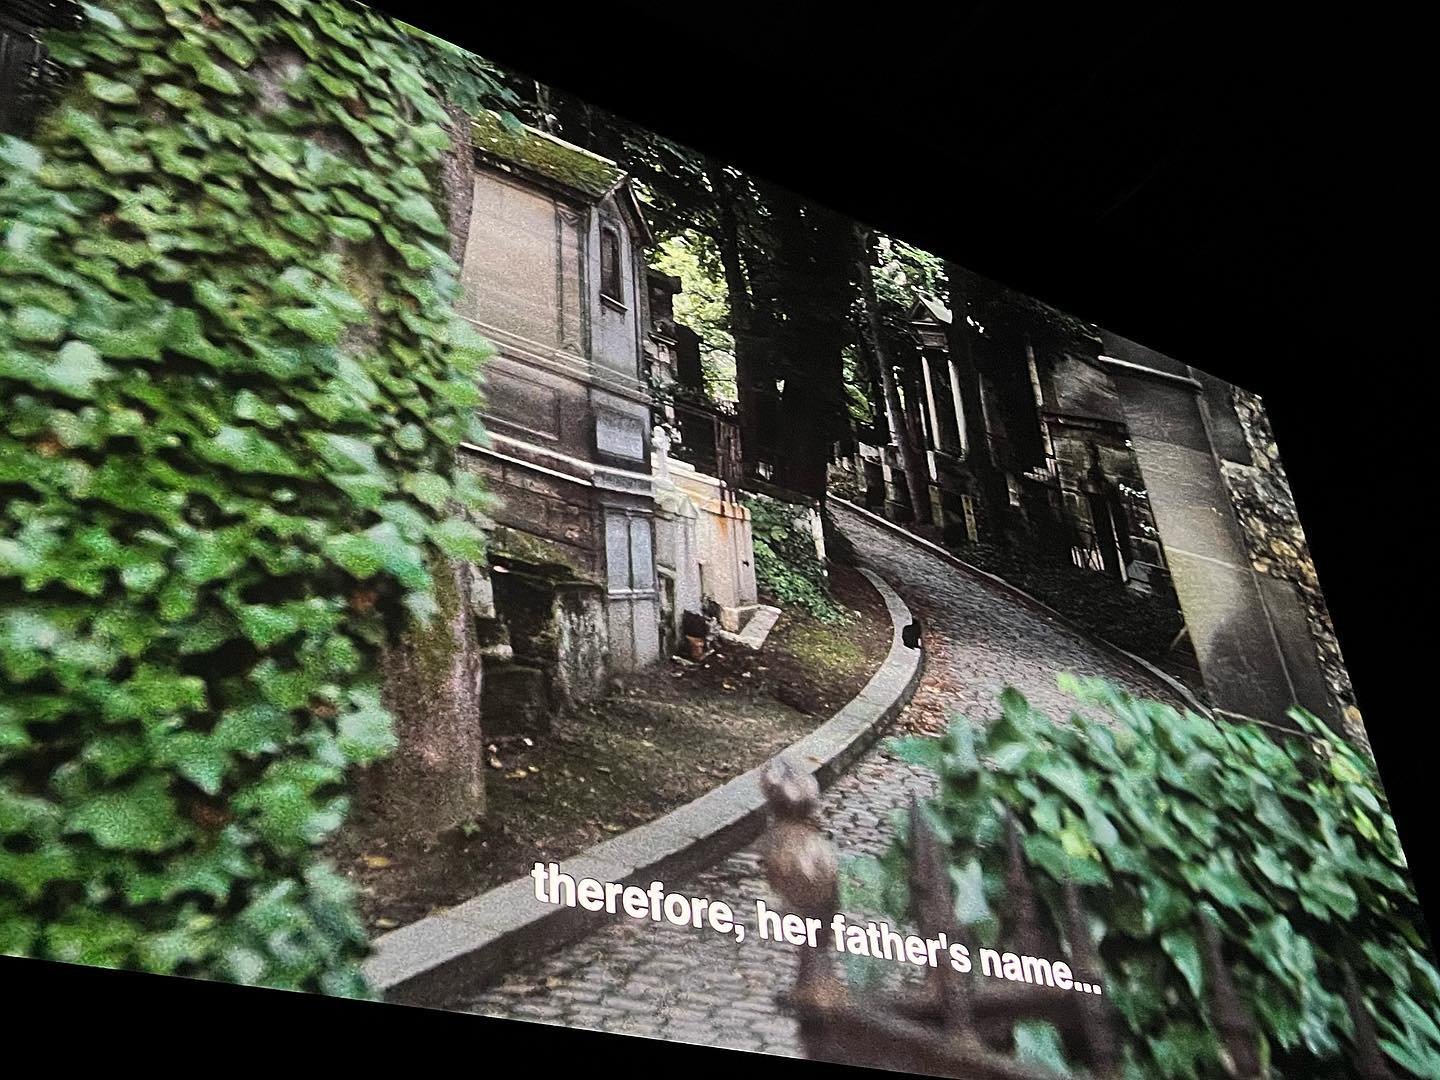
column 787, row 566
column 1164, row 818
column 233, row 383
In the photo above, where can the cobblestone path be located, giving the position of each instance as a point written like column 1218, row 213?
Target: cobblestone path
column 678, row 983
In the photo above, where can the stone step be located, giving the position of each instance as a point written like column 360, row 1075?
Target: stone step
column 494, row 639
column 733, row 619
column 757, row 628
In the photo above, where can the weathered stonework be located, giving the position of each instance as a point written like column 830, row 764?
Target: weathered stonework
column 433, row 679
column 1277, row 546
column 557, row 284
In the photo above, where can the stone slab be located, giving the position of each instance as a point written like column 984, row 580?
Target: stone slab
column 761, row 621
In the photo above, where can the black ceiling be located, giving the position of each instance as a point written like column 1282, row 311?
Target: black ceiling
column 1173, row 176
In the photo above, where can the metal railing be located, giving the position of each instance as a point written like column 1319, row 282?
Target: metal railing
column 953, row 1025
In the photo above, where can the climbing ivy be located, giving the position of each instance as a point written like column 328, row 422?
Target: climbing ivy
column 233, row 384
column 787, row 566
column 1163, row 819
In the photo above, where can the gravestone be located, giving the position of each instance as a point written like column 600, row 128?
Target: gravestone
column 1249, row 631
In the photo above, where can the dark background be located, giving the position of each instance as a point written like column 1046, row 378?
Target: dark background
column 1216, row 186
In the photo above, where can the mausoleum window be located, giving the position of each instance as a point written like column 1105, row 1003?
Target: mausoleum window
column 612, row 285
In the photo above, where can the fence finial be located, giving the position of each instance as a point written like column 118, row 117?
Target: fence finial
column 801, row 865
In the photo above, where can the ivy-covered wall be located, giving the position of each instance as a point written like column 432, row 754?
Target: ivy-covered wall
column 788, row 566
column 232, row 384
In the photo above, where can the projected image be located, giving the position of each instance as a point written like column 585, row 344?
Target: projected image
column 462, row 548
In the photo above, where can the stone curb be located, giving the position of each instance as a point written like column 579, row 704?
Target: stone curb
column 428, row 962
column 1179, row 688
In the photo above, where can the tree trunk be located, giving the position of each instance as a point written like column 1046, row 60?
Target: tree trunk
column 804, row 462
column 432, row 679
column 737, row 290
column 884, row 423
column 457, row 181
column 910, row 460
column 811, row 291
column 435, row 780
column 994, row 494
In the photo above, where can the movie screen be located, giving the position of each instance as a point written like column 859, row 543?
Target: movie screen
column 459, row 547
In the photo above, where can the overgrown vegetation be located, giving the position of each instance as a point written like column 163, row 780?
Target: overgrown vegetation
column 1165, row 819
column 233, row 385
column 702, row 305
column 787, row 566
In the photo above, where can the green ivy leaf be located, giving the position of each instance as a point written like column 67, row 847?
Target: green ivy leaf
column 110, row 91
column 246, row 450
column 1182, row 947
column 31, row 323
column 267, row 625
column 198, row 758
column 139, row 817
column 459, row 539
column 419, row 211
column 366, row 734
column 1038, row 1042
column 207, row 71
column 318, row 324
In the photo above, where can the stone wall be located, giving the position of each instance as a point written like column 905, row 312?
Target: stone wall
column 724, row 547
column 1276, row 543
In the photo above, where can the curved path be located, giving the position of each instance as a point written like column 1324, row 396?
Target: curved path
column 682, row 984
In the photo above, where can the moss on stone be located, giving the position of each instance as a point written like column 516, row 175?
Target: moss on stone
column 434, row 642
column 542, row 558
column 551, row 158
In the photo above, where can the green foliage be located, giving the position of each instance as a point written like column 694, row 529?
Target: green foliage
column 1164, row 819
column 905, row 273
column 787, row 566
column 233, row 385
column 469, row 82
column 703, row 305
